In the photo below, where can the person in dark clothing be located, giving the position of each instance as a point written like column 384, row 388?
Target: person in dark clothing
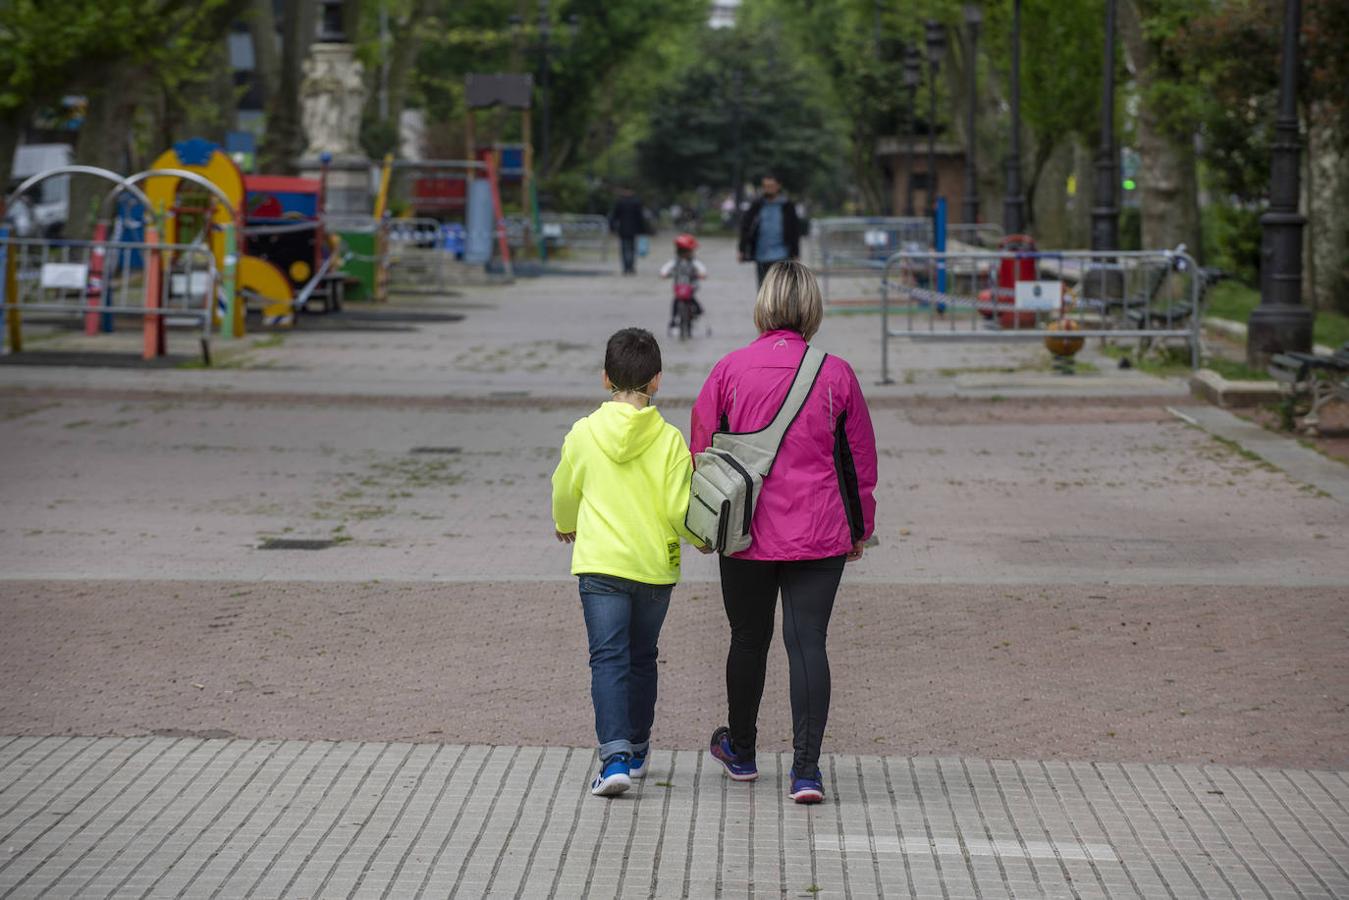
column 770, row 230
column 628, row 220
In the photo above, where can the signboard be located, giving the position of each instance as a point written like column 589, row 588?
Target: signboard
column 64, row 276
column 193, row 284
column 1039, row 296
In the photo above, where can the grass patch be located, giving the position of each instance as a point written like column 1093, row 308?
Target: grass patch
column 1235, row 301
column 1234, row 370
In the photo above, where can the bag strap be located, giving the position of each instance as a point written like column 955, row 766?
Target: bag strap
column 770, row 438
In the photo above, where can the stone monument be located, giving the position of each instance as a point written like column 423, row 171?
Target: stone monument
column 332, row 96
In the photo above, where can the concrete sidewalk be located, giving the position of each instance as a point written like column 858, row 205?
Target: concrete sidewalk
column 168, row 817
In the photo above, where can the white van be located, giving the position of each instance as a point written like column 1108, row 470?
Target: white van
column 48, row 204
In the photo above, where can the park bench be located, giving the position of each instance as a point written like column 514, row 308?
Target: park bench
column 1145, row 311
column 1310, row 381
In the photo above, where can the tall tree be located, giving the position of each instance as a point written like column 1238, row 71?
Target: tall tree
column 284, row 140
column 1166, row 124
column 743, row 105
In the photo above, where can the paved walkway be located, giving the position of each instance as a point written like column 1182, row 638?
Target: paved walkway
column 1065, row 571
column 87, row 817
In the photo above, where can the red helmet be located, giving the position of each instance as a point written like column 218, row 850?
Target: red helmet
column 686, row 241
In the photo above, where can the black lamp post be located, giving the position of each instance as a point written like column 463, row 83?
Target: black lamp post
column 1014, row 204
column 1105, row 211
column 545, row 48
column 913, row 75
column 973, row 16
column 1281, row 322
column 936, row 46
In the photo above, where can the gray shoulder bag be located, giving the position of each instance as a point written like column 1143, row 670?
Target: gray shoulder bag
column 727, row 476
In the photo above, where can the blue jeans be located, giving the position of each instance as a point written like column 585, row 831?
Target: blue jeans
column 623, row 620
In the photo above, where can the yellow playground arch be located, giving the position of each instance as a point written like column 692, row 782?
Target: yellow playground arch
column 256, row 276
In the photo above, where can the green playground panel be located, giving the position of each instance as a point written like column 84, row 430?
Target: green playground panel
column 361, row 265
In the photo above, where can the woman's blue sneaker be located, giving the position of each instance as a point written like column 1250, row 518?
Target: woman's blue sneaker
column 806, row 790
column 637, row 768
column 723, row 753
column 613, row 778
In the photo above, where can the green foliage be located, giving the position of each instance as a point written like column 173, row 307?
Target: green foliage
column 51, row 47
column 744, row 90
column 1232, row 233
column 1234, row 300
column 615, row 51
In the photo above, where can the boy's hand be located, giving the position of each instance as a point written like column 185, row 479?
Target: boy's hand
column 565, row 537
column 704, row 549
column 858, row 548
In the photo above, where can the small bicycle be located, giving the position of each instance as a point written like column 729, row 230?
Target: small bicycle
column 686, row 271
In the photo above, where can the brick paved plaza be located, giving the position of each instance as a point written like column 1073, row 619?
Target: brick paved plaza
column 1097, row 651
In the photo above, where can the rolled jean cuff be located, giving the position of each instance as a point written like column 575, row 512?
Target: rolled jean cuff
column 639, row 747
column 609, row 748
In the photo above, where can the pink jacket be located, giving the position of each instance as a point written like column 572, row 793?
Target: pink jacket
column 819, row 497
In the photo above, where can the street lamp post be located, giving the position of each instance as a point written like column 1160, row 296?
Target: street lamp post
column 973, row 16
column 1280, row 322
column 545, row 48
column 936, row 46
column 913, row 75
column 1105, row 211
column 1014, row 204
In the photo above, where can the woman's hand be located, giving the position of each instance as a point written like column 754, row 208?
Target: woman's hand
column 565, row 537
column 858, row 548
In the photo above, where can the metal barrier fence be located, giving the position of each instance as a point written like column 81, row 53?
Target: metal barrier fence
column 164, row 284
column 1029, row 295
column 854, row 250
column 576, row 233
column 565, row 232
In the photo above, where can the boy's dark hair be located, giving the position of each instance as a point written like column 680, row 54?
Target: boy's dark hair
column 632, row 359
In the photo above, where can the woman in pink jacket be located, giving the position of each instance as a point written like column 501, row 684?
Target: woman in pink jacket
column 815, row 512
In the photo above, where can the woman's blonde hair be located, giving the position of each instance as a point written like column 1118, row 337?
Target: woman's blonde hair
column 789, row 299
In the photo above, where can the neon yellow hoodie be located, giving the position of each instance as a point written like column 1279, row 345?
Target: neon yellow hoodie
column 623, row 486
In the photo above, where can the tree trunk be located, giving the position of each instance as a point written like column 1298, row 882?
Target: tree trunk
column 266, row 53
column 10, row 124
column 284, row 140
column 106, row 141
column 1169, row 181
column 1328, row 218
column 406, row 39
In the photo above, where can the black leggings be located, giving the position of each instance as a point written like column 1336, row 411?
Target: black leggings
column 749, row 590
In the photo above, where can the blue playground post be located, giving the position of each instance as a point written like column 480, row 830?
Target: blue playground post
column 939, row 241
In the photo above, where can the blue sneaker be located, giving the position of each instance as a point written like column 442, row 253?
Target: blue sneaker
column 637, row 768
column 806, row 790
column 721, row 751
column 613, row 778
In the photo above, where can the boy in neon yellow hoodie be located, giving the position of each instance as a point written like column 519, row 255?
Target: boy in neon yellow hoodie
column 620, row 494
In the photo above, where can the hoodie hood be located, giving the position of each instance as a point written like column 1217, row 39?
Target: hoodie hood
column 623, row 431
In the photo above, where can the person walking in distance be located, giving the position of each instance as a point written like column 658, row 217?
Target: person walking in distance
column 628, row 220
column 770, row 230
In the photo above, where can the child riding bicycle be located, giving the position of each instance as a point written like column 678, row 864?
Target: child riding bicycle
column 686, row 270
